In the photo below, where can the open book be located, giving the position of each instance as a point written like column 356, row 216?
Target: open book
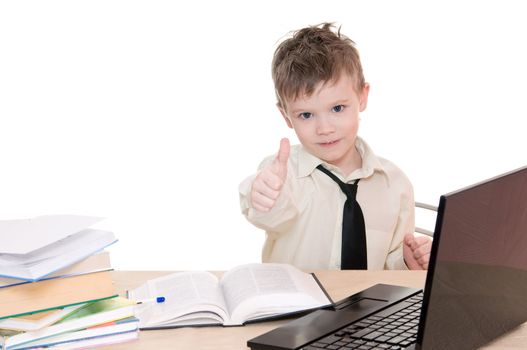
column 246, row 293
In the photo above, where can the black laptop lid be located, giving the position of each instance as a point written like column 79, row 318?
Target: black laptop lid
column 476, row 288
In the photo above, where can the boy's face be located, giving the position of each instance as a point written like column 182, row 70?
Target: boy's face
column 327, row 122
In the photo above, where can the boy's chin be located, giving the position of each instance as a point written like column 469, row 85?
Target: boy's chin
column 328, row 159
column 327, row 155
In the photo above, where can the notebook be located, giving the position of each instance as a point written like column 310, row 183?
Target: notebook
column 475, row 286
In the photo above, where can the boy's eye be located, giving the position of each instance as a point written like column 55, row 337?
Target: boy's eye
column 305, row 115
column 338, row 108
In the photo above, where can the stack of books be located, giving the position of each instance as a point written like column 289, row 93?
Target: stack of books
column 56, row 289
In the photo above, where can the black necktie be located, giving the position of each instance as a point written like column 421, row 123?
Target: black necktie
column 353, row 252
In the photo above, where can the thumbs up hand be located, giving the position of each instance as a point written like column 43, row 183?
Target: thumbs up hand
column 269, row 182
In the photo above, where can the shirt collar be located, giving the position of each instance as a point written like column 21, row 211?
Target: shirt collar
column 370, row 162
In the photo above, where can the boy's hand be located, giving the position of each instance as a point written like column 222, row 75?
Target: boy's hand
column 269, row 181
column 416, row 251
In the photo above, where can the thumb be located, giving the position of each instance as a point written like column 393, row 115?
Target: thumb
column 282, row 157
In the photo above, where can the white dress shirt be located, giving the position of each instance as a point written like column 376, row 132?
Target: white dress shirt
column 304, row 228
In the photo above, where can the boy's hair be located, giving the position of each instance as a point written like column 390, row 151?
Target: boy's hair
column 313, row 55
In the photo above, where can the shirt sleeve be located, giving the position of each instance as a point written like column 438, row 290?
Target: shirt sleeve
column 405, row 224
column 280, row 217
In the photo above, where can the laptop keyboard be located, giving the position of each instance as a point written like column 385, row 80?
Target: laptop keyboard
column 392, row 328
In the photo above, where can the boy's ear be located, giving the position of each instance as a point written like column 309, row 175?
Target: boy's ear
column 363, row 97
column 284, row 114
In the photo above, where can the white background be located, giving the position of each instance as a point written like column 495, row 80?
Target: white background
column 150, row 113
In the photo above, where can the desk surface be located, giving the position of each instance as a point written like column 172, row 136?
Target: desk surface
column 339, row 284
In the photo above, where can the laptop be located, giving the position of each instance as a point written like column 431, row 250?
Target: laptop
column 475, row 291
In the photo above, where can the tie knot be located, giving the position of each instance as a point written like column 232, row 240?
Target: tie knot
column 349, row 189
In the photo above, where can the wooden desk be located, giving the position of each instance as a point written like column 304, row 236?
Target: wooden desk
column 339, row 284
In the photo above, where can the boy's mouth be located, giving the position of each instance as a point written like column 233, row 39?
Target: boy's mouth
column 329, row 143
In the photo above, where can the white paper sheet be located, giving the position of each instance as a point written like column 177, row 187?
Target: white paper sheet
column 26, row 235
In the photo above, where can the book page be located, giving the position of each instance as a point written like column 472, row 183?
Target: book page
column 187, row 296
column 256, row 291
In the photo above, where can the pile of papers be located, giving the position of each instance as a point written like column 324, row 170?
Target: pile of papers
column 56, row 287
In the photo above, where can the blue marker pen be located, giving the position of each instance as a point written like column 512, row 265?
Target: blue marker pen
column 151, row 300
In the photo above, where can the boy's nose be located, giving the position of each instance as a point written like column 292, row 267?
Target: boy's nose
column 324, row 125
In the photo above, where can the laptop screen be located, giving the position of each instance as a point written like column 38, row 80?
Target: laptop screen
column 476, row 288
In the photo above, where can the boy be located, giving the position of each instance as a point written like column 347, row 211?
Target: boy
column 298, row 195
